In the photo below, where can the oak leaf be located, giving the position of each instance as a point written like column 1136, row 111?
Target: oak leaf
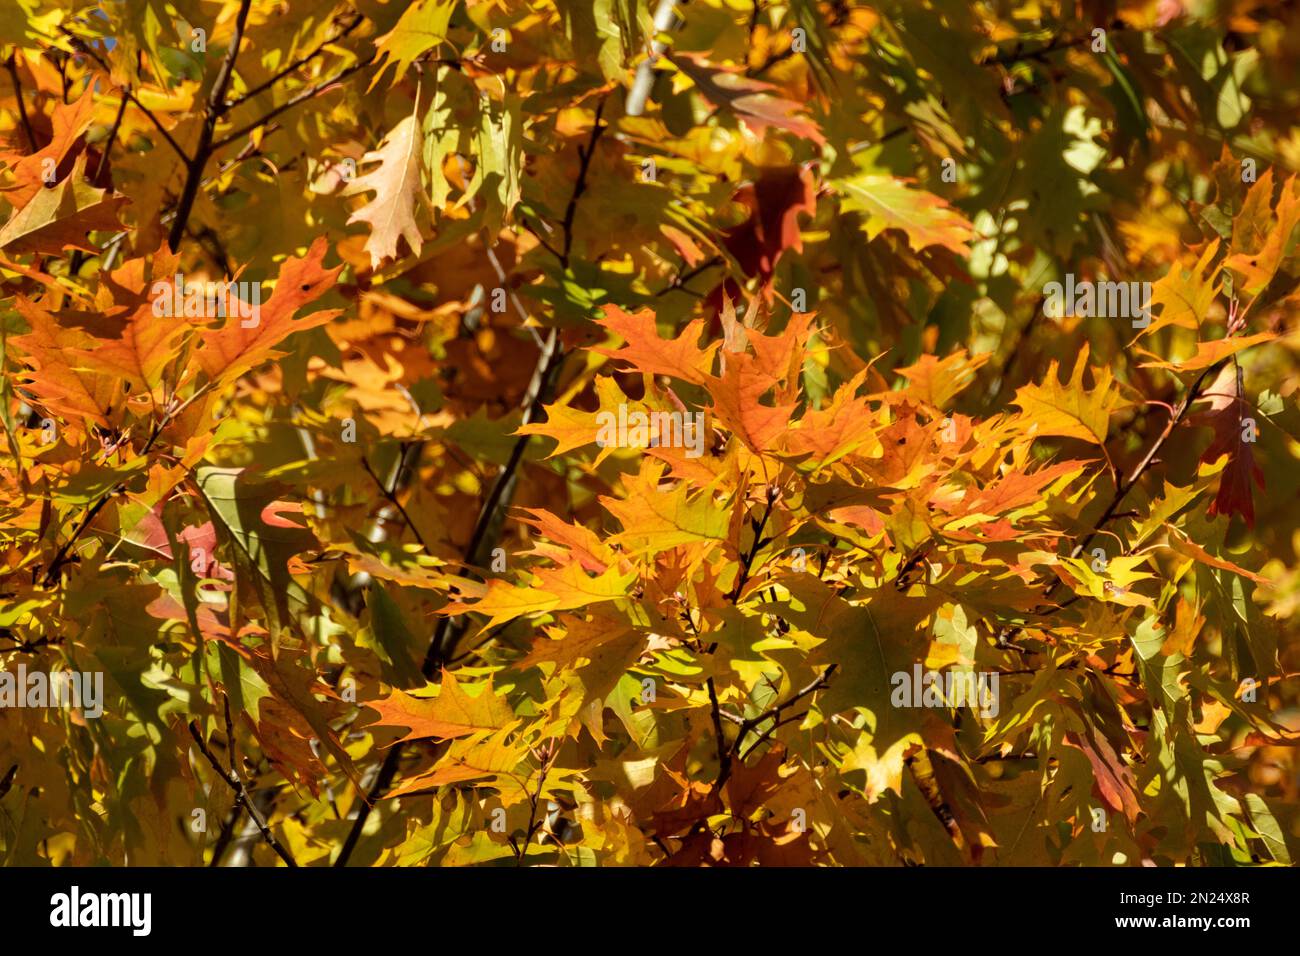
column 396, row 184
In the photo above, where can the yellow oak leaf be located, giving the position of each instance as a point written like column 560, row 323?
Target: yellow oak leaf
column 1071, row 410
column 453, row 713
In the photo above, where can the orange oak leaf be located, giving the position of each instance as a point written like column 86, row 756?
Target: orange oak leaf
column 737, row 406
column 564, row 539
column 231, row 350
column 646, row 352
column 453, row 713
column 935, row 381
column 1018, row 489
column 561, row 589
column 32, row 173
column 60, row 384
column 840, row 428
column 140, row 354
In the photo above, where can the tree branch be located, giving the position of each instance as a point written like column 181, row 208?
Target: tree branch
column 1125, row 486
column 724, row 752
column 1008, row 632
column 580, row 186
column 81, row 46
column 287, row 105
column 11, row 65
column 205, row 147
column 241, row 794
column 748, row 561
column 391, row 495
column 533, row 824
column 295, row 65
column 442, row 645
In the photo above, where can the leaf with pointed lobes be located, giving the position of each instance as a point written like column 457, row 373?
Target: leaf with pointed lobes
column 560, row 540
column 1071, row 410
column 649, row 354
column 737, row 406
column 1261, row 264
column 455, row 712
column 655, row 519
column 750, row 99
column 62, row 217
column 422, row 26
column 584, row 639
column 396, row 185
column 774, row 200
column 60, row 385
column 839, row 428
column 1213, row 352
column 562, row 589
column 888, row 202
column 474, row 759
column 70, row 121
column 140, row 354
column 774, row 367
column 1017, row 489
column 231, row 350
column 936, row 381
column 1114, row 779
column 1227, row 415
column 573, row 428
column 1184, row 300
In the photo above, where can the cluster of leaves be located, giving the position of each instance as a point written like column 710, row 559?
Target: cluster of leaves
column 366, row 589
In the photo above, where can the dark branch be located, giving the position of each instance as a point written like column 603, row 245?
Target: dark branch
column 292, row 67
column 241, row 794
column 11, row 65
column 81, row 46
column 287, row 105
column 205, row 148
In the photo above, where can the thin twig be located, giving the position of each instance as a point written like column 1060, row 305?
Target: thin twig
column 241, row 794
column 580, row 185
column 1006, row 633
column 11, row 65
column 81, row 46
column 680, row 280
column 748, row 561
column 290, row 68
column 1040, row 54
column 108, row 143
column 205, row 147
column 442, row 645
column 287, row 105
column 391, row 495
column 534, row 802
